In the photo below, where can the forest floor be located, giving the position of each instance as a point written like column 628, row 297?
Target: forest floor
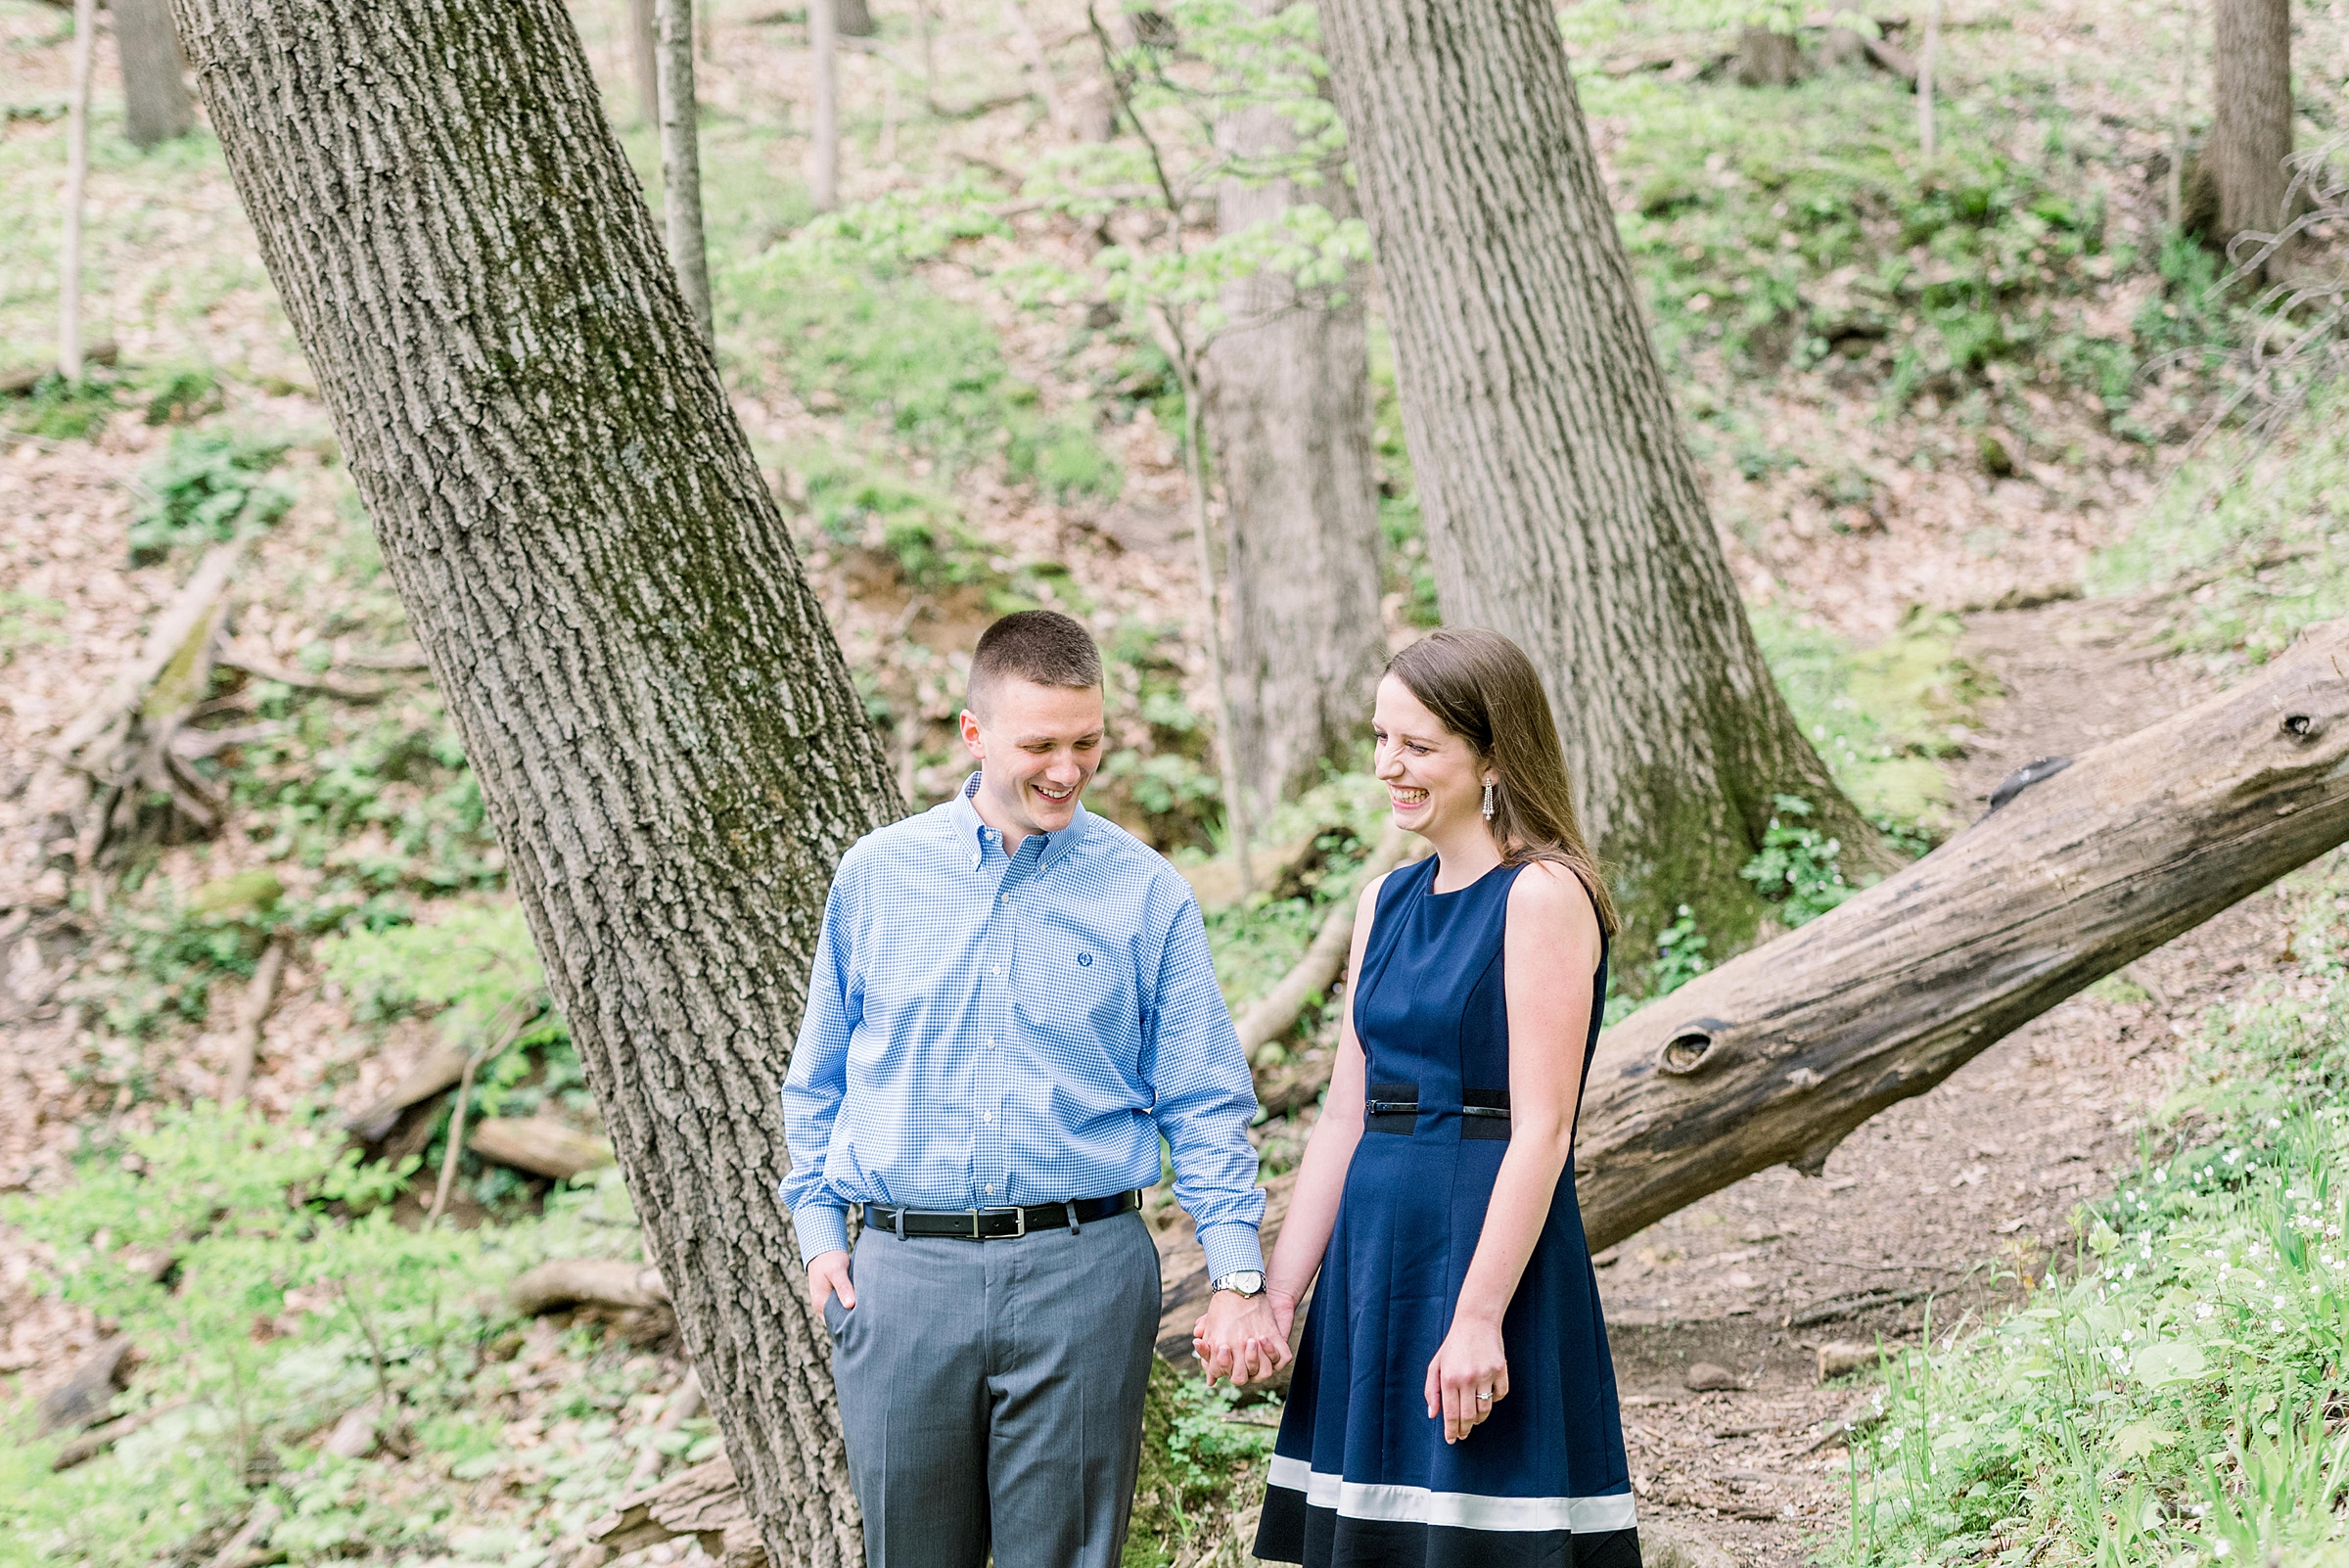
column 1951, row 1203
column 1863, row 491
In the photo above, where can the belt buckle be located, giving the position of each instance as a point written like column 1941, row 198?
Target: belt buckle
column 1019, row 1220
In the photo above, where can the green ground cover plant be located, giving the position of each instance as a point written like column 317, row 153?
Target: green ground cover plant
column 290, row 1297
column 2171, row 1393
column 1881, row 717
column 1203, row 1460
column 209, row 487
column 2255, row 540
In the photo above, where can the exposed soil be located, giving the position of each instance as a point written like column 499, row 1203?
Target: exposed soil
column 1940, row 1209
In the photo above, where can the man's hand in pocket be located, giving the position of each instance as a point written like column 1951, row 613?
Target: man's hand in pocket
column 828, row 1275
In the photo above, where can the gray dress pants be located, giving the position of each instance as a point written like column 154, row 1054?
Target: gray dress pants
column 992, row 1394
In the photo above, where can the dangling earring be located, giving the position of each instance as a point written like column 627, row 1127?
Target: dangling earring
column 1487, row 801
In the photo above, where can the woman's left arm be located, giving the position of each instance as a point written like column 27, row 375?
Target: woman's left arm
column 1549, row 954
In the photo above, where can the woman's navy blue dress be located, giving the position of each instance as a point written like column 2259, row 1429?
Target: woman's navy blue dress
column 1360, row 1474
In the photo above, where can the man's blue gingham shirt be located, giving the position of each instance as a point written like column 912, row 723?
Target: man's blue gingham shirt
column 986, row 1031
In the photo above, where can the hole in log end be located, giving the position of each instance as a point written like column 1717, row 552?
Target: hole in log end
column 2300, row 726
column 1693, row 1047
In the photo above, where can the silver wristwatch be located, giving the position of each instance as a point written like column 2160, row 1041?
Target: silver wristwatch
column 1240, row 1282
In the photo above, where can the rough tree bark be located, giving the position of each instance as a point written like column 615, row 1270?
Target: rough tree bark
column 156, row 106
column 668, row 742
column 2251, row 122
column 681, row 160
column 1288, row 405
column 1562, row 508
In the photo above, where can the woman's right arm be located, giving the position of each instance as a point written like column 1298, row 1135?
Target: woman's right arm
column 1328, row 1149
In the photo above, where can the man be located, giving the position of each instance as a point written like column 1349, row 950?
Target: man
column 1012, row 1001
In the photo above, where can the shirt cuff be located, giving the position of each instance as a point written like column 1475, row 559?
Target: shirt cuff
column 822, row 1228
column 1229, row 1248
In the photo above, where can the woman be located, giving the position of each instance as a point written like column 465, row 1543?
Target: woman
column 1453, row 1401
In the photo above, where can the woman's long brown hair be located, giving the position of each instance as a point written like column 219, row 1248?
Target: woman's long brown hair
column 1485, row 690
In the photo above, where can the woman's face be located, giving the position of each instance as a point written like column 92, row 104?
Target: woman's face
column 1433, row 779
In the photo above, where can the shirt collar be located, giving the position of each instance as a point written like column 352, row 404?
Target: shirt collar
column 975, row 834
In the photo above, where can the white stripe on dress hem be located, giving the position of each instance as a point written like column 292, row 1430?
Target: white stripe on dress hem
column 1464, row 1510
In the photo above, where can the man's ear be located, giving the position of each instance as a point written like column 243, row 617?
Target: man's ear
column 971, row 736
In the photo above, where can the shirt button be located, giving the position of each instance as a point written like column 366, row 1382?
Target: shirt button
column 990, row 1192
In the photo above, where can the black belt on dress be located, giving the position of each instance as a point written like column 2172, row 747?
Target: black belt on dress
column 1394, row 1107
column 998, row 1225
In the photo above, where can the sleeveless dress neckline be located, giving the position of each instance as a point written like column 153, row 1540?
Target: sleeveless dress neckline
column 1360, row 1474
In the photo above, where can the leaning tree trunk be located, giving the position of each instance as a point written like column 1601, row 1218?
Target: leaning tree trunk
column 156, row 106
column 1288, row 403
column 2251, row 125
column 1562, row 507
column 661, row 724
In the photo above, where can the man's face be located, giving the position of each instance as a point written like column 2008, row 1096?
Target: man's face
column 1038, row 747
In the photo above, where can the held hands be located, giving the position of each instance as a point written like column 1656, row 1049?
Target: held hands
column 828, row 1274
column 1470, row 1363
column 1244, row 1338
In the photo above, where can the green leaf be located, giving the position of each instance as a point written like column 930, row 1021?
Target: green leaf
column 2170, row 1363
column 2137, row 1439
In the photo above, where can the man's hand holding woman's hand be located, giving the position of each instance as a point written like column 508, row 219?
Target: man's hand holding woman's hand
column 1244, row 1338
column 828, row 1274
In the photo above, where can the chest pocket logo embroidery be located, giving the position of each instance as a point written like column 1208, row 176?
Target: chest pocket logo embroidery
column 1085, row 960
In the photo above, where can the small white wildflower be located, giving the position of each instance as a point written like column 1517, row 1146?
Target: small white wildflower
column 2203, row 1311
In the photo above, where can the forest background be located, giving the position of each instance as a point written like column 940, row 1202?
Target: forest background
column 1992, row 472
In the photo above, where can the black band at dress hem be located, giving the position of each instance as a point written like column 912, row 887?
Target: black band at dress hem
column 1292, row 1531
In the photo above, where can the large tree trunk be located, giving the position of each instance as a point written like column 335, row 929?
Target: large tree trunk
column 1562, row 507
column 156, row 106
column 2251, row 125
column 668, row 740
column 1288, row 405
column 855, row 19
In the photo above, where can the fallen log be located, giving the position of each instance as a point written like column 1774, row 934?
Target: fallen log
column 587, row 1283
column 704, row 1502
column 539, row 1145
column 439, row 1070
column 83, row 1396
column 253, row 1011
column 259, row 665
column 98, row 1439
column 1777, row 1055
column 1270, row 1016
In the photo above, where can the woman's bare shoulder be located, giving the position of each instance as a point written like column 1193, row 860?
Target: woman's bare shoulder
column 1551, row 897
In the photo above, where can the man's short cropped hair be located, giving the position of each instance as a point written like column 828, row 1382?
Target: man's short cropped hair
column 1041, row 646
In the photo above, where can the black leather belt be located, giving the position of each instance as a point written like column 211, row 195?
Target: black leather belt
column 998, row 1225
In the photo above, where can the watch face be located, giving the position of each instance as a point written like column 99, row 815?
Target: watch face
column 1247, row 1281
